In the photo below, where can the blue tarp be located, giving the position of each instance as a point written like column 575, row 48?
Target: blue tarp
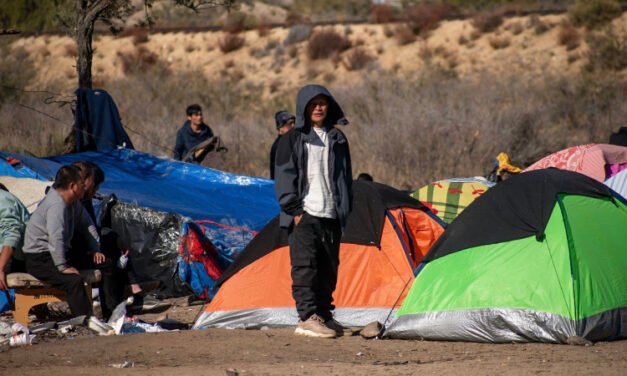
column 202, row 194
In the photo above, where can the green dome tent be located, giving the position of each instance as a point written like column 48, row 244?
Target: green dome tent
column 539, row 257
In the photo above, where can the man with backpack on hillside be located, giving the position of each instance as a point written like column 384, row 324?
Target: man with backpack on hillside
column 313, row 180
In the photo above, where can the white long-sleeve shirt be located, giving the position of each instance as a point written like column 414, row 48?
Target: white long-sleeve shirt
column 319, row 200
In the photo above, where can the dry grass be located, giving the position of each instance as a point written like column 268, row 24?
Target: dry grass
column 607, row 51
column 404, row 35
column 139, row 59
column 487, row 22
column 405, row 132
column 569, row 36
column 357, row 59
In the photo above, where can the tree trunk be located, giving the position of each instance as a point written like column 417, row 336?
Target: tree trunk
column 87, row 12
column 84, row 32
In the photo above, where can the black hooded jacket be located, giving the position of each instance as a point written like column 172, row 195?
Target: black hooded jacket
column 290, row 180
column 186, row 139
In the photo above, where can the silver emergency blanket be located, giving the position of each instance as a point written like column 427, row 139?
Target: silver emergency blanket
column 507, row 325
column 285, row 316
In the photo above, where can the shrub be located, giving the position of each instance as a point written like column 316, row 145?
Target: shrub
column 568, row 36
column 326, row 43
column 357, row 59
column 16, row 71
column 328, row 77
column 487, row 22
column 263, row 30
column 607, row 51
column 71, row 49
column 516, row 28
column 499, row 42
column 404, row 35
column 293, row 18
column 594, row 13
column 538, row 26
column 298, row 33
column 138, row 35
column 231, row 42
column 388, row 31
column 235, row 22
column 141, row 59
column 382, row 13
column 426, row 17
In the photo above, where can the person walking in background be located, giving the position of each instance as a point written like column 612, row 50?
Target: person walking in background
column 313, row 177
column 13, row 218
column 284, row 122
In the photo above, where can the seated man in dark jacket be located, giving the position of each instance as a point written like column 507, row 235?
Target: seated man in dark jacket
column 194, row 140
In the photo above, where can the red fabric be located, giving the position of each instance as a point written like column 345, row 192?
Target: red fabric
column 197, row 248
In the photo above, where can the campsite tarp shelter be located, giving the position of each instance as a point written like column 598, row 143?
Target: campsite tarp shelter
column 541, row 257
column 449, row 197
column 160, row 195
column 387, row 235
column 598, row 161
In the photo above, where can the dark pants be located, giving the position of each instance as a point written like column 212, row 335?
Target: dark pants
column 41, row 266
column 314, row 254
column 114, row 280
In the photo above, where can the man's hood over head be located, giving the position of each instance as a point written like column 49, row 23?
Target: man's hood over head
column 335, row 115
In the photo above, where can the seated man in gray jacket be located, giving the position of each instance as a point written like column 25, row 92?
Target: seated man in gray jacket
column 49, row 234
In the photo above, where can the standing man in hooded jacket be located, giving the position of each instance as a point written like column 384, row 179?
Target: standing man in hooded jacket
column 193, row 132
column 313, row 177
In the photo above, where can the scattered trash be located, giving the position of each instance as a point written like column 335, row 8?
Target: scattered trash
column 359, row 353
column 42, row 327
column 231, row 372
column 5, row 329
column 18, row 335
column 100, row 327
column 136, row 326
column 21, row 339
column 126, row 364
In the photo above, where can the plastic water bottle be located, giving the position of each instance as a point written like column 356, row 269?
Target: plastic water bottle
column 123, row 261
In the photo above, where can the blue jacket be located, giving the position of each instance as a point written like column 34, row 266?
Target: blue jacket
column 290, row 180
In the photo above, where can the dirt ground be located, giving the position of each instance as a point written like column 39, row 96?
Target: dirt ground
column 279, row 352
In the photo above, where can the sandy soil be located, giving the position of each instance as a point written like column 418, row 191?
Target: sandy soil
column 279, row 352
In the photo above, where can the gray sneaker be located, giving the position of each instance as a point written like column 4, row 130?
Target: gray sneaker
column 314, row 326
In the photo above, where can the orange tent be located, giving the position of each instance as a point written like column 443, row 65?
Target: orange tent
column 387, row 235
